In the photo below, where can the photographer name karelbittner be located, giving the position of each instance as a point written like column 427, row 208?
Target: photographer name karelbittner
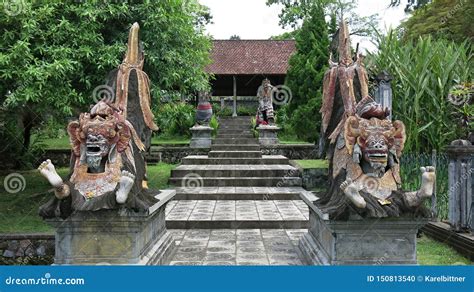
column 444, row 279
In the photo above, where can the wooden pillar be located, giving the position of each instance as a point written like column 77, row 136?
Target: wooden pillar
column 234, row 114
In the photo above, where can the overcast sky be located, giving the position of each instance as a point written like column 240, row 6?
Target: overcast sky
column 252, row 19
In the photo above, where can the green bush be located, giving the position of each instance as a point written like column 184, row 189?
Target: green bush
column 225, row 112
column 246, row 110
column 214, row 124
column 175, row 119
column 424, row 72
column 306, row 120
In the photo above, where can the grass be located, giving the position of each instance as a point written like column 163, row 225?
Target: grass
column 312, row 163
column 295, row 142
column 19, row 212
column 431, row 252
column 63, row 143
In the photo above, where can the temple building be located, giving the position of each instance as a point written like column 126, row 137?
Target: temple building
column 239, row 66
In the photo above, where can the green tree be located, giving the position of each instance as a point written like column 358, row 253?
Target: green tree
column 442, row 19
column 55, row 53
column 295, row 11
column 305, row 75
column 411, row 4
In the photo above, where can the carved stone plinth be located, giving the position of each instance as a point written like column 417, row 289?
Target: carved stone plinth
column 115, row 237
column 201, row 137
column 268, row 135
column 461, row 185
column 387, row 241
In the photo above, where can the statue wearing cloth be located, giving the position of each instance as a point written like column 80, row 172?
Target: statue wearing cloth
column 108, row 168
column 265, row 103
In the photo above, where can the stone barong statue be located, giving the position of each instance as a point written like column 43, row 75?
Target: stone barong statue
column 364, row 147
column 265, row 103
column 108, row 168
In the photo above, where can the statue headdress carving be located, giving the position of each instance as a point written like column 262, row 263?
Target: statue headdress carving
column 363, row 146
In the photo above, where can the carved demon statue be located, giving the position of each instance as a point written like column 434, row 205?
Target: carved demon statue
column 364, row 147
column 108, row 169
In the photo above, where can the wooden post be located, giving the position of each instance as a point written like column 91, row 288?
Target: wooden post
column 434, row 208
column 234, row 114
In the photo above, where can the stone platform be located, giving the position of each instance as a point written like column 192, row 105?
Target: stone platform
column 229, row 247
column 211, row 214
column 115, row 237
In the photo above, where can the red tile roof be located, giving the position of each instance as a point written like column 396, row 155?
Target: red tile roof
column 237, row 57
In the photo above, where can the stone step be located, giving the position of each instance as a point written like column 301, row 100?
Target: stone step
column 235, row 154
column 238, row 214
column 235, row 170
column 234, row 141
column 241, row 247
column 235, row 136
column 266, row 159
column 238, row 193
column 231, row 147
column 234, row 131
column 194, row 181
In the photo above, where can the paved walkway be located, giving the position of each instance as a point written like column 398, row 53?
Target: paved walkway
column 237, row 247
column 235, row 206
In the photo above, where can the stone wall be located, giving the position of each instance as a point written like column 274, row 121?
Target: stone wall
column 26, row 249
column 174, row 153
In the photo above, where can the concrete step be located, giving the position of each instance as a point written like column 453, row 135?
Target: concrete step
column 235, row 154
column 196, row 181
column 235, row 170
column 235, row 136
column 238, row 193
column 239, row 214
column 218, row 141
column 266, row 159
column 234, row 131
column 231, row 147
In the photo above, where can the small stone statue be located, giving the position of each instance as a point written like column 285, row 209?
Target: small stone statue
column 204, row 109
column 265, row 103
column 108, row 168
column 364, row 147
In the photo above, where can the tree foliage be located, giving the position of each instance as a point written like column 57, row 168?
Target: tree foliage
column 54, row 53
column 305, row 75
column 424, row 73
column 295, row 11
column 447, row 19
column 411, row 4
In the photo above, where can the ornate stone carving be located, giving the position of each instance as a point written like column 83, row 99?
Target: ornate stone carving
column 108, row 169
column 363, row 146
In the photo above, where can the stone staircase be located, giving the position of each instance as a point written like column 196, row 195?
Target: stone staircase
column 235, row 186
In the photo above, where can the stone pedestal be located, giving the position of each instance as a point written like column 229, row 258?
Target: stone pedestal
column 388, row 241
column 201, row 137
column 115, row 237
column 268, row 135
column 461, row 185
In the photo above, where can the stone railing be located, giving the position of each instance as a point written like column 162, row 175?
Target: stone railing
column 174, row 153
